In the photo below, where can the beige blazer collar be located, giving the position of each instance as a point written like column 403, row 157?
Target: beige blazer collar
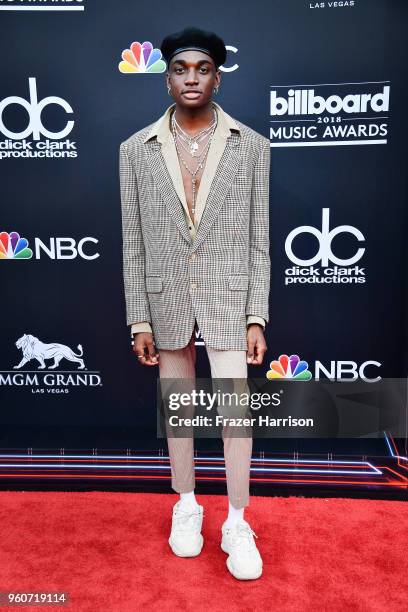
column 224, row 176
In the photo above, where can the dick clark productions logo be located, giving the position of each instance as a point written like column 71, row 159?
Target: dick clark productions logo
column 306, row 271
column 36, row 139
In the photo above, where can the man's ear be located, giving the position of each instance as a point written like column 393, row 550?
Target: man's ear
column 218, row 76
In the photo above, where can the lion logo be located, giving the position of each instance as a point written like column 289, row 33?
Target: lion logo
column 33, row 348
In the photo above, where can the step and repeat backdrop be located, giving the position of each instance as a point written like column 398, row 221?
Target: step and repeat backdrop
column 324, row 81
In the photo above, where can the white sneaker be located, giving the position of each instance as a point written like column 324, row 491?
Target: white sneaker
column 185, row 538
column 244, row 561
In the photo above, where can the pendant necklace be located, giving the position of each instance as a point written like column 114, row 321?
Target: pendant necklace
column 181, row 137
column 189, row 142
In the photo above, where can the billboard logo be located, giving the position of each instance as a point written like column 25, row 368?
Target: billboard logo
column 306, row 102
column 329, row 114
column 343, row 271
column 141, row 58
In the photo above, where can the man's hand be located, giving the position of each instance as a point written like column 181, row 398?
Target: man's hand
column 144, row 348
column 256, row 344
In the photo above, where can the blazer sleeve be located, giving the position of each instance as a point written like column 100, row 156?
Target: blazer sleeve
column 259, row 260
column 137, row 304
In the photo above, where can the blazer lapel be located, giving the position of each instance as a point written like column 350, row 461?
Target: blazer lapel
column 166, row 187
column 221, row 183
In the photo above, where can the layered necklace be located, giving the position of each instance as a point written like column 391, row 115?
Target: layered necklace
column 190, row 144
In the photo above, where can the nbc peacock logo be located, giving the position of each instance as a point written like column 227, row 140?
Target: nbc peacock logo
column 292, row 368
column 141, row 57
column 12, row 246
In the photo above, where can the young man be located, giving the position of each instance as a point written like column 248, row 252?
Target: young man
column 195, row 215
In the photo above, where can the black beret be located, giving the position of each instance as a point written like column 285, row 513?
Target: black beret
column 194, row 38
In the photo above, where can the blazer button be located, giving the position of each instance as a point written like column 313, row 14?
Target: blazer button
column 193, row 285
column 192, row 257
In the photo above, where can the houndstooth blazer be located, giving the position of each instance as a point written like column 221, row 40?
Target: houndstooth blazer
column 220, row 277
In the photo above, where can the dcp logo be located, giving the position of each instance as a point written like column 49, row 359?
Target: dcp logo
column 34, row 109
column 324, row 238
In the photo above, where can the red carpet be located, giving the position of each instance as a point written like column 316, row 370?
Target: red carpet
column 109, row 551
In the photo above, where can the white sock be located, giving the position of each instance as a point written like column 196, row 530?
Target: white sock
column 188, row 498
column 234, row 515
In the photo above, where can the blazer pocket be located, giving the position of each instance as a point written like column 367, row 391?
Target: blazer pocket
column 154, row 284
column 238, row 281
